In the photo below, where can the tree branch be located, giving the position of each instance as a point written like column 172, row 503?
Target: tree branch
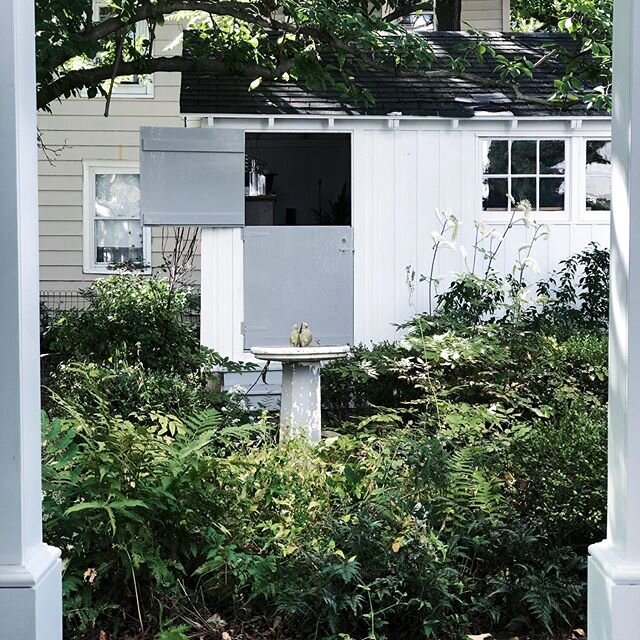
column 240, row 10
column 73, row 81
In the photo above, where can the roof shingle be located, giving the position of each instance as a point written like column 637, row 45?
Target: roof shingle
column 409, row 95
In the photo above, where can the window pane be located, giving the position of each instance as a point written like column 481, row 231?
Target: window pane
column 117, row 195
column 495, row 156
column 552, row 192
column 523, row 156
column 118, row 241
column 494, row 194
column 552, row 156
column 598, row 179
column 524, row 189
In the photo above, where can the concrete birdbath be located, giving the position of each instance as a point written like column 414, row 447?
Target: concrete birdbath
column 300, row 402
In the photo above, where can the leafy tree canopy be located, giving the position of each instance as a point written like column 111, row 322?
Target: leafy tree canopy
column 314, row 42
column 591, row 24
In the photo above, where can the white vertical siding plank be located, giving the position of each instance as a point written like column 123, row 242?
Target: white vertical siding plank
column 451, row 158
column 236, row 277
column 406, row 219
column 208, row 318
column 383, row 264
column 362, row 207
column 581, row 235
column 428, row 199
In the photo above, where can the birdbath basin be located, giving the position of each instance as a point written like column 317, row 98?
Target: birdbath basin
column 300, row 413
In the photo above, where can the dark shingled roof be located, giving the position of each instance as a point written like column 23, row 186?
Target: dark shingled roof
column 412, row 96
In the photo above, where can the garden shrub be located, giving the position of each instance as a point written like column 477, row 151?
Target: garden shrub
column 131, row 318
column 459, row 511
column 130, row 390
column 576, row 296
column 467, row 480
column 133, row 345
column 361, row 382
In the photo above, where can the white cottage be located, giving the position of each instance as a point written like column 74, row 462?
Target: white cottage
column 338, row 200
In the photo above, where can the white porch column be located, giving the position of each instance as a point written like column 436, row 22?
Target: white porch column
column 614, row 565
column 30, row 582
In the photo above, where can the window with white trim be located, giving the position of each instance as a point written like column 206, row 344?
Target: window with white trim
column 598, row 176
column 113, row 234
column 421, row 21
column 137, row 84
column 532, row 170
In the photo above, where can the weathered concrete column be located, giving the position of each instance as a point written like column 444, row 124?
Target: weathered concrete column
column 300, row 408
column 30, row 581
column 614, row 564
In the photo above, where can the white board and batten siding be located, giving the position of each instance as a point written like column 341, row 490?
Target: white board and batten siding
column 400, row 176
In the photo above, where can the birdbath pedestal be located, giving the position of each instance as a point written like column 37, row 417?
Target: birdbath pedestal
column 300, row 402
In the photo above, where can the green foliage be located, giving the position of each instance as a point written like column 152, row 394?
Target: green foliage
column 363, row 381
column 576, row 296
column 282, row 40
column 520, row 418
column 132, row 318
column 130, row 390
column 590, row 22
column 317, row 43
column 572, row 299
column 466, row 482
column 130, row 353
column 132, row 507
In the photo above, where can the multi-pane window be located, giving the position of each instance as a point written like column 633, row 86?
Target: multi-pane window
column 598, row 175
column 135, row 84
column 113, row 232
column 532, row 170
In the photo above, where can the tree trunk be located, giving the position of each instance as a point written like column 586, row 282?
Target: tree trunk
column 448, row 15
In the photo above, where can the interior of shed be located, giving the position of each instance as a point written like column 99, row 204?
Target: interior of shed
column 298, row 179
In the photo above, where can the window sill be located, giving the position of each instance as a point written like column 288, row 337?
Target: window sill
column 104, row 271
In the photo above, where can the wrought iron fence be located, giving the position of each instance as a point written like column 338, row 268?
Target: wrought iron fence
column 53, row 303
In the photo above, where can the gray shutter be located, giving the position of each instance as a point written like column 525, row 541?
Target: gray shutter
column 192, row 176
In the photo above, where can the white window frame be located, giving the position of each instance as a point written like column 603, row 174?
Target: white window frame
column 540, row 216
column 386, row 9
column 586, row 215
column 91, row 168
column 129, row 89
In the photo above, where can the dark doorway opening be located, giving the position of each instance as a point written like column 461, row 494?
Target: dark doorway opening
column 298, row 179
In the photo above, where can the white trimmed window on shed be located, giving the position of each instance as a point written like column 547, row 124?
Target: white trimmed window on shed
column 597, row 176
column 527, row 169
column 136, row 85
column 112, row 230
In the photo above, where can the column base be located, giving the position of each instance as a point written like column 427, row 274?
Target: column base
column 31, row 597
column 613, row 608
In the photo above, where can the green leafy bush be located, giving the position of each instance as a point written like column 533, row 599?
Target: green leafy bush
column 132, row 318
column 134, row 508
column 130, row 390
column 467, row 481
